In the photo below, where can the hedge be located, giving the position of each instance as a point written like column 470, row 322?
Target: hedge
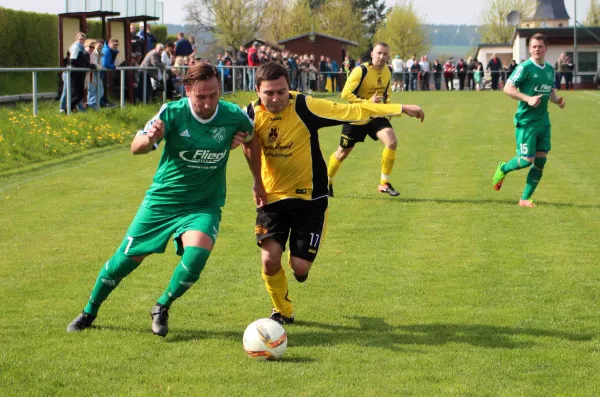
column 30, row 39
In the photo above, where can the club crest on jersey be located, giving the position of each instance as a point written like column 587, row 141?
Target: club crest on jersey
column 550, row 75
column 379, row 82
column 273, row 134
column 218, row 134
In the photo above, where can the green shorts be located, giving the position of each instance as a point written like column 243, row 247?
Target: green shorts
column 532, row 139
column 151, row 229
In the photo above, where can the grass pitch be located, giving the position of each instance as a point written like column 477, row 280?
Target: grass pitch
column 450, row 289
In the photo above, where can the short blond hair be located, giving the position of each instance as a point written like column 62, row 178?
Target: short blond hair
column 80, row 36
column 90, row 42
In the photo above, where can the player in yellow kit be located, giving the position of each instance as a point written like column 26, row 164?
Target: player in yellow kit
column 294, row 174
column 369, row 82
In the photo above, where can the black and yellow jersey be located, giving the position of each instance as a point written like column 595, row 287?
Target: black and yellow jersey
column 364, row 82
column 292, row 162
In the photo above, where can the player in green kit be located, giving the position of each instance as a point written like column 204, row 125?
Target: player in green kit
column 531, row 84
column 186, row 196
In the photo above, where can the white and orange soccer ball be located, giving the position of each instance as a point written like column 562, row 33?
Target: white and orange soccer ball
column 265, row 339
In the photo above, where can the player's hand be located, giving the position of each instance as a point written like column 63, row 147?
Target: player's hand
column 157, row 131
column 534, row 101
column 376, row 98
column 561, row 102
column 260, row 194
column 414, row 111
column 238, row 139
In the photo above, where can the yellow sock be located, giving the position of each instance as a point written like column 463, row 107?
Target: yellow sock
column 277, row 287
column 387, row 163
column 333, row 167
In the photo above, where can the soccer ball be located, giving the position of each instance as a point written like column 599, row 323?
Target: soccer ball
column 265, row 339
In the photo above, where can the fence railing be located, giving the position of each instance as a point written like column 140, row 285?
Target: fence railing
column 235, row 78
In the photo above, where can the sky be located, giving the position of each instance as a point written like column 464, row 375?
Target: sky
column 433, row 11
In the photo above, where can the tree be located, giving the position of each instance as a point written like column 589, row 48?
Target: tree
column 338, row 18
column 284, row 19
column 593, row 16
column 233, row 22
column 495, row 28
column 403, row 31
column 373, row 12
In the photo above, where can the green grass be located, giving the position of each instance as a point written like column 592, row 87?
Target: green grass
column 450, row 289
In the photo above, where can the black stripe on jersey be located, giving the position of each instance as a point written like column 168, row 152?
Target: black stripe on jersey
column 250, row 111
column 319, row 168
column 387, row 87
column 364, row 70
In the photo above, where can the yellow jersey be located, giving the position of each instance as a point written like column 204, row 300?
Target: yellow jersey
column 292, row 162
column 364, row 82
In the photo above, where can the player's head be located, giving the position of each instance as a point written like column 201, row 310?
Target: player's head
column 203, row 87
column 538, row 46
column 273, row 86
column 380, row 54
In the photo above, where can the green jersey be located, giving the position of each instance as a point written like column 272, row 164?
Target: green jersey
column 533, row 79
column 191, row 172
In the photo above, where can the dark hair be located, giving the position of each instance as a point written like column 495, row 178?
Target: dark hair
column 541, row 37
column 200, row 71
column 271, row 71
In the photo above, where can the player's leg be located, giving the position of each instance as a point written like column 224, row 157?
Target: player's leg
column 526, row 148
column 272, row 230
column 536, row 171
column 386, row 135
column 148, row 233
column 350, row 135
column 195, row 239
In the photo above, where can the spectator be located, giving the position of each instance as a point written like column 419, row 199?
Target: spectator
column 471, row 66
column 478, row 76
column 335, row 76
column 597, row 79
column 137, row 45
column 192, row 41
column 398, row 73
column 152, row 59
column 304, row 68
column 494, row 66
column 95, row 83
column 414, row 69
column 424, row 66
column 293, row 70
column 167, row 58
column 183, row 47
column 322, row 77
column 449, row 75
column 253, row 62
column 437, row 75
column 79, row 58
column 312, row 76
column 568, row 68
column 461, row 71
column 109, row 55
column 225, row 74
column 151, row 39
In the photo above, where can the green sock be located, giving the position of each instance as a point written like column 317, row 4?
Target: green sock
column 111, row 274
column 516, row 163
column 185, row 274
column 533, row 177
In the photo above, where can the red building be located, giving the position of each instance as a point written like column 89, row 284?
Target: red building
column 318, row 44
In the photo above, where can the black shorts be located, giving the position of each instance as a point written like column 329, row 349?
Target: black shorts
column 357, row 133
column 302, row 221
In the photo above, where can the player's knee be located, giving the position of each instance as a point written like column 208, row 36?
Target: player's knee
column 539, row 163
column 392, row 143
column 525, row 162
column 271, row 265
column 301, row 268
column 119, row 266
column 193, row 261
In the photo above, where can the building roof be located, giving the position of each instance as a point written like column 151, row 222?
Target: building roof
column 550, row 9
column 262, row 42
column 582, row 33
column 89, row 14
column 354, row 43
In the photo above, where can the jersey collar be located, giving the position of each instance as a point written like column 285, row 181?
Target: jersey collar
column 200, row 119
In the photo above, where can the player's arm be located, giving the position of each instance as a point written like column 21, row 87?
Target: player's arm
column 252, row 152
column 511, row 88
column 351, row 85
column 329, row 113
column 148, row 139
column 555, row 99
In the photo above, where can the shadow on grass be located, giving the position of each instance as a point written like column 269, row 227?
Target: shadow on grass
column 467, row 201
column 375, row 332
